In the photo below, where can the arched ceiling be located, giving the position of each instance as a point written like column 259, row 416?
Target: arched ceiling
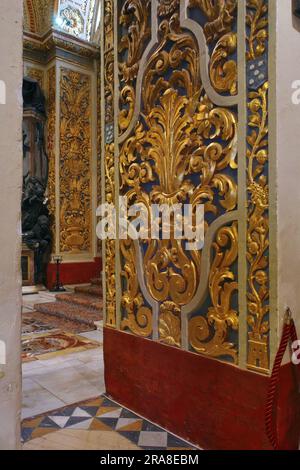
column 38, row 15
column 75, row 17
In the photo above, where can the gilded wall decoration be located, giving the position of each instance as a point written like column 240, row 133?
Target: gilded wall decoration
column 50, row 133
column 221, row 37
column 182, row 150
column 75, row 162
column 109, row 156
column 134, row 18
column 36, row 74
column 258, row 186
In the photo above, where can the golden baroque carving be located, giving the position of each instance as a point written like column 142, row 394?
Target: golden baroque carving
column 75, row 162
column 182, row 150
column 134, row 18
column 258, row 223
column 109, row 159
column 138, row 316
column 209, row 335
column 220, row 16
column 50, row 137
column 170, row 324
column 257, row 22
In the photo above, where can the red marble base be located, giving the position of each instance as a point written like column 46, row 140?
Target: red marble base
column 74, row 273
column 209, row 403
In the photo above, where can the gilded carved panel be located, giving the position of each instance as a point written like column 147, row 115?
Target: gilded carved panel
column 178, row 118
column 258, row 186
column 51, row 124
column 75, row 162
column 182, row 149
column 109, row 156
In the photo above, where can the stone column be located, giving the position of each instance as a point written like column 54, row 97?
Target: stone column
column 10, row 214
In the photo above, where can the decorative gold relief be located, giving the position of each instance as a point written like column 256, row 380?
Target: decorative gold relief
column 36, row 74
column 75, row 162
column 50, row 136
column 209, row 335
column 258, row 189
column 138, row 316
column 134, row 18
column 257, row 22
column 223, row 71
column 170, row 324
column 183, row 149
column 109, row 158
column 258, row 226
column 220, row 16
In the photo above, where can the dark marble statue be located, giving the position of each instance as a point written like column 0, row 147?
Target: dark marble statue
column 36, row 225
column 33, row 97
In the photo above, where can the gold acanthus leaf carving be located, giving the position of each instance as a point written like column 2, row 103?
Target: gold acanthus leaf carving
column 170, row 324
column 75, row 161
column 208, row 335
column 138, row 317
column 167, row 7
column 134, row 18
column 257, row 22
column 220, row 15
column 223, row 72
column 258, row 223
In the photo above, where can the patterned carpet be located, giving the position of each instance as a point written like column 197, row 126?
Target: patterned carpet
column 37, row 322
column 102, row 414
column 47, row 345
column 84, row 306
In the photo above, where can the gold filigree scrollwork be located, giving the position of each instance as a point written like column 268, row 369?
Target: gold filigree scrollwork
column 183, row 150
column 138, row 316
column 257, row 22
column 170, row 324
column 134, row 18
column 167, row 7
column 220, row 15
column 50, row 133
column 75, row 162
column 258, row 191
column 209, row 335
column 223, row 71
column 258, row 229
column 109, row 158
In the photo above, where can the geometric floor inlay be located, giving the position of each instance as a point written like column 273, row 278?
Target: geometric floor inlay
column 105, row 415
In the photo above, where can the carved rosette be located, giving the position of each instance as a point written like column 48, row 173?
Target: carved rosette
column 109, row 156
column 75, row 162
column 258, row 186
column 182, row 149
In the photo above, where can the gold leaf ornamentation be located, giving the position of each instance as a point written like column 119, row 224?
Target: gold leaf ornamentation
column 75, row 162
column 209, row 335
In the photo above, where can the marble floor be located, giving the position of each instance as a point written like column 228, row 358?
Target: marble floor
column 62, row 380
column 100, row 424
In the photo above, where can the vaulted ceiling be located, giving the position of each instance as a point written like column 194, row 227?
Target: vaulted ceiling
column 75, row 17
